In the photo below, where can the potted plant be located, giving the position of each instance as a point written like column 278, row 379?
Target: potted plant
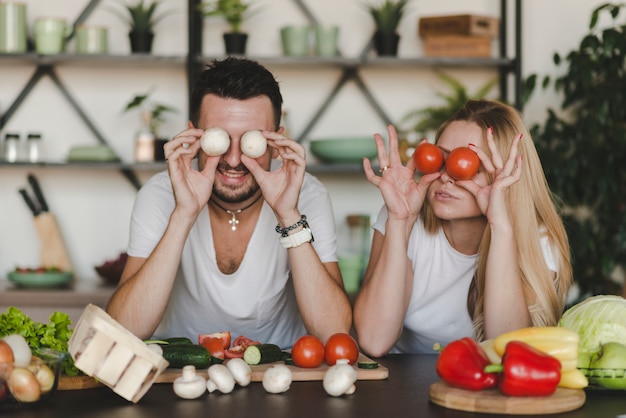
column 425, row 121
column 582, row 147
column 387, row 16
column 152, row 117
column 141, row 18
column 233, row 11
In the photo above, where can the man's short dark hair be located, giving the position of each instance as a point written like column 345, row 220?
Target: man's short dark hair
column 236, row 78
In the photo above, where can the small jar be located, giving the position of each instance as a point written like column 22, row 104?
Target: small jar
column 33, row 144
column 11, row 147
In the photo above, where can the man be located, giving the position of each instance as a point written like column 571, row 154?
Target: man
column 204, row 255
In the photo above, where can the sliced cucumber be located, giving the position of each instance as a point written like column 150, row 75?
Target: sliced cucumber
column 367, row 365
column 262, row 353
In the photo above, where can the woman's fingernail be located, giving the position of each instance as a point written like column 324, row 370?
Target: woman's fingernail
column 490, row 129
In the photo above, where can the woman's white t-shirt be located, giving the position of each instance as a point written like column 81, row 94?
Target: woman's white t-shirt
column 437, row 311
column 258, row 300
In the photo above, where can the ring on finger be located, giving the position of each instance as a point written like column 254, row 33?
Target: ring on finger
column 383, row 169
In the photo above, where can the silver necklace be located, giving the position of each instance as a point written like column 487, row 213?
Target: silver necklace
column 233, row 221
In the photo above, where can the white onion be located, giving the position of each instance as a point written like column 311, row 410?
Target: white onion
column 253, row 144
column 215, row 141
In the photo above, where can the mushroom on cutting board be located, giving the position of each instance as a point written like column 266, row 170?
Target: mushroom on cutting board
column 220, row 378
column 277, row 379
column 189, row 385
column 240, row 370
column 339, row 379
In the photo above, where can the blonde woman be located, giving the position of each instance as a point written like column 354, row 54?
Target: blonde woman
column 454, row 258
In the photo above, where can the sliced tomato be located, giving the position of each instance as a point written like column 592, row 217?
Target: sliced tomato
column 239, row 346
column 214, row 346
column 224, row 336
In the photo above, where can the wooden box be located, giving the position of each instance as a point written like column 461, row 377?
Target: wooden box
column 471, row 25
column 457, row 46
column 104, row 349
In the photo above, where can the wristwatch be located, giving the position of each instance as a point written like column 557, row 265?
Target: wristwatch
column 297, row 239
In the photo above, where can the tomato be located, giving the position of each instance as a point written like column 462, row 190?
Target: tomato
column 341, row 346
column 224, row 336
column 462, row 163
column 239, row 346
column 214, row 346
column 308, row 351
column 428, row 158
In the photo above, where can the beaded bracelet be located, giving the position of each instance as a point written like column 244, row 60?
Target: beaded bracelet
column 283, row 231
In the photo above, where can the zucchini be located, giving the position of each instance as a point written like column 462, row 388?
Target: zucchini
column 181, row 355
column 262, row 353
column 367, row 365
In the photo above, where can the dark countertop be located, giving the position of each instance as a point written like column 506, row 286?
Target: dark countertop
column 403, row 394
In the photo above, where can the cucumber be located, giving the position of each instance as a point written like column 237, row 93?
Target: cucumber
column 170, row 341
column 180, row 355
column 367, row 365
column 262, row 353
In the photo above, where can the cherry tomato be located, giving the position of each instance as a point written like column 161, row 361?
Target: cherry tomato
column 341, row 346
column 462, row 163
column 214, row 346
column 428, row 158
column 224, row 336
column 308, row 351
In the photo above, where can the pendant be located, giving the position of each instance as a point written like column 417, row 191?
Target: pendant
column 233, row 221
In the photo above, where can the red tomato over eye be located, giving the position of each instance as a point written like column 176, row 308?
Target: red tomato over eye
column 341, row 346
column 308, row 351
column 428, row 158
column 462, row 163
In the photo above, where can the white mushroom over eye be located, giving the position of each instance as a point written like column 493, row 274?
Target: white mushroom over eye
column 215, row 141
column 253, row 144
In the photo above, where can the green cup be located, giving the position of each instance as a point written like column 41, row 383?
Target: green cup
column 351, row 267
column 295, row 40
column 13, row 28
column 91, row 40
column 50, row 34
column 326, row 40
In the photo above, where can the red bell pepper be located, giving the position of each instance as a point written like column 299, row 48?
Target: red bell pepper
column 462, row 364
column 527, row 371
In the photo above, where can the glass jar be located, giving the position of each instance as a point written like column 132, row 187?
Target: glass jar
column 11, row 147
column 33, row 144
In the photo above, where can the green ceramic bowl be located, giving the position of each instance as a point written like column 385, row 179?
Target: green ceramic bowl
column 41, row 280
column 344, row 150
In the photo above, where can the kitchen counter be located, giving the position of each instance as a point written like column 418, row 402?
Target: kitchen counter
column 404, row 393
column 40, row 303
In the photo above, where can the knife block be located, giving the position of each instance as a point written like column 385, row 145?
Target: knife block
column 53, row 252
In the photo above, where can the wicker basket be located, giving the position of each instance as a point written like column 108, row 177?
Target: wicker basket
column 104, row 349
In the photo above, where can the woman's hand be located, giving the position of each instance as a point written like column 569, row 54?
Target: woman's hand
column 402, row 195
column 281, row 187
column 491, row 198
column 192, row 188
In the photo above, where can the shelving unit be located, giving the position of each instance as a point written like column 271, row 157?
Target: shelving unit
column 194, row 62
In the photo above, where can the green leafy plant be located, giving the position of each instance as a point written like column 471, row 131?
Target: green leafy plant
column 233, row 11
column 582, row 148
column 154, row 109
column 388, row 14
column 141, row 16
column 430, row 118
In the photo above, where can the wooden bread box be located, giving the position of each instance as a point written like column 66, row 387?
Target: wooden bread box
column 457, row 46
column 467, row 25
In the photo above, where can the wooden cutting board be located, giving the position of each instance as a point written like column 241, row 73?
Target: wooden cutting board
column 299, row 375
column 493, row 402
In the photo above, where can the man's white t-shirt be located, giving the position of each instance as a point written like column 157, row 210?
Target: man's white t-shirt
column 437, row 311
column 258, row 300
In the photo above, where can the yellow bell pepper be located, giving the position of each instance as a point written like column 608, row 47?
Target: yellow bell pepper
column 573, row 379
column 559, row 342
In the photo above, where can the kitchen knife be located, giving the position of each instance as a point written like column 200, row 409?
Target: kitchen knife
column 38, row 193
column 29, row 202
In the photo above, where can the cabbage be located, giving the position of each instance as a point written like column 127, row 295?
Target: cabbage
column 598, row 320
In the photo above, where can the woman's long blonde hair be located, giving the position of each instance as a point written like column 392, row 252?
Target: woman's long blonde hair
column 533, row 214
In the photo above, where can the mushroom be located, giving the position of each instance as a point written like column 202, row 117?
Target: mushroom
column 220, row 378
column 253, row 144
column 339, row 379
column 189, row 385
column 277, row 379
column 240, row 370
column 215, row 141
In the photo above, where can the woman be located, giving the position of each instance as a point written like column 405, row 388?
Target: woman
column 452, row 258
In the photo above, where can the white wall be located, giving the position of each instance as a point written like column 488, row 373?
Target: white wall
column 93, row 207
